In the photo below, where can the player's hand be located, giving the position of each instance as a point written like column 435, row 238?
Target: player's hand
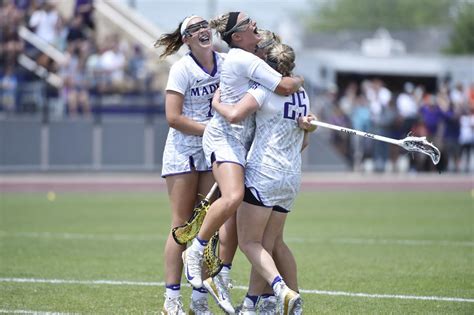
column 304, row 122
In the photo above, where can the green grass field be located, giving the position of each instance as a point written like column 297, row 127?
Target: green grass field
column 395, row 248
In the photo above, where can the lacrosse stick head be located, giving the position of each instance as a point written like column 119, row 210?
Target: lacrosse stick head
column 186, row 232
column 420, row 144
column 211, row 258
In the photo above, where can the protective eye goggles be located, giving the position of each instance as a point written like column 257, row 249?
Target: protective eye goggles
column 239, row 26
column 194, row 28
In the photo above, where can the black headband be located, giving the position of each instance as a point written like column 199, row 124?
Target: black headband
column 230, row 24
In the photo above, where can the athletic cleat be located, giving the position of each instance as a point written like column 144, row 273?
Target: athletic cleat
column 219, row 290
column 287, row 299
column 173, row 306
column 267, row 305
column 298, row 307
column 246, row 308
column 192, row 260
column 199, row 307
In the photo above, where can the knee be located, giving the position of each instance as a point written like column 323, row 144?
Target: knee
column 232, row 200
column 245, row 245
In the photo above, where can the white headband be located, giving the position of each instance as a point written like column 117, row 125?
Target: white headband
column 185, row 23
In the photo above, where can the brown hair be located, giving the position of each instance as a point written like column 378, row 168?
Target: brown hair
column 282, row 58
column 172, row 42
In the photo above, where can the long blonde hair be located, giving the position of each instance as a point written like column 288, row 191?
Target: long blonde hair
column 281, row 57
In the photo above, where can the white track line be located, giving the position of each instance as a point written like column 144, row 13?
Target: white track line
column 150, row 237
column 373, row 241
column 32, row 312
column 317, row 292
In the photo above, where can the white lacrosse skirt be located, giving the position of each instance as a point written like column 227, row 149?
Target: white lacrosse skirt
column 224, row 145
column 272, row 187
column 180, row 159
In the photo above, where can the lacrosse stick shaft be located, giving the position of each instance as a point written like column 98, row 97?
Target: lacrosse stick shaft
column 355, row 132
column 211, row 192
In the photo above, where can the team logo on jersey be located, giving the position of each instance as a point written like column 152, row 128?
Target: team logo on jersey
column 204, row 90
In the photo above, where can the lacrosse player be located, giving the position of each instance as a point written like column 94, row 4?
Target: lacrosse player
column 191, row 84
column 272, row 178
column 225, row 144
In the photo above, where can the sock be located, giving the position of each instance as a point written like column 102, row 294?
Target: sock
column 251, row 299
column 173, row 290
column 199, row 294
column 277, row 285
column 225, row 271
column 199, row 244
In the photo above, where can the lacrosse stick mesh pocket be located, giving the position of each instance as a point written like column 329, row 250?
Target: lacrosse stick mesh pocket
column 186, row 232
column 211, row 258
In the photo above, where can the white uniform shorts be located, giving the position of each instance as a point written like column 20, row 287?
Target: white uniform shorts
column 272, row 187
column 181, row 159
column 221, row 147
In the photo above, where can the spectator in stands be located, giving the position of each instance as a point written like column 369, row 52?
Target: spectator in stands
column 137, row 70
column 75, row 33
column 466, row 135
column 44, row 21
column 11, row 45
column 348, row 99
column 379, row 98
column 360, row 119
column 85, row 9
column 432, row 116
column 8, row 88
column 450, row 150
column 75, row 87
column 407, row 107
column 112, row 63
column 341, row 140
column 458, row 96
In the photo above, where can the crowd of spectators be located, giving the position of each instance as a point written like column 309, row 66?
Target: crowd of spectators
column 445, row 117
column 94, row 69
column 91, row 68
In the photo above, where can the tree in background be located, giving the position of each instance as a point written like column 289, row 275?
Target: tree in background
column 369, row 15
column 462, row 38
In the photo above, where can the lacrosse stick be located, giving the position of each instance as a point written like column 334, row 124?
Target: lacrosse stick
column 211, row 259
column 412, row 144
column 186, row 232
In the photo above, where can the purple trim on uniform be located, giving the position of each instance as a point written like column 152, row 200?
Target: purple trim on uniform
column 214, row 70
column 202, row 290
column 185, row 172
column 173, row 287
column 276, row 280
column 202, row 242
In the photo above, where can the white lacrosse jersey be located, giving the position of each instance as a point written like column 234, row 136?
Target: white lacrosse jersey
column 189, row 78
column 238, row 69
column 278, row 138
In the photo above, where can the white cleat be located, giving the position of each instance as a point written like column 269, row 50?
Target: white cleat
column 287, row 299
column 267, row 305
column 298, row 307
column 199, row 307
column 246, row 308
column 173, row 306
column 219, row 290
column 192, row 260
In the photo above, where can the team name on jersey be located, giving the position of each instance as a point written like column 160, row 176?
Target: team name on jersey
column 204, row 90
